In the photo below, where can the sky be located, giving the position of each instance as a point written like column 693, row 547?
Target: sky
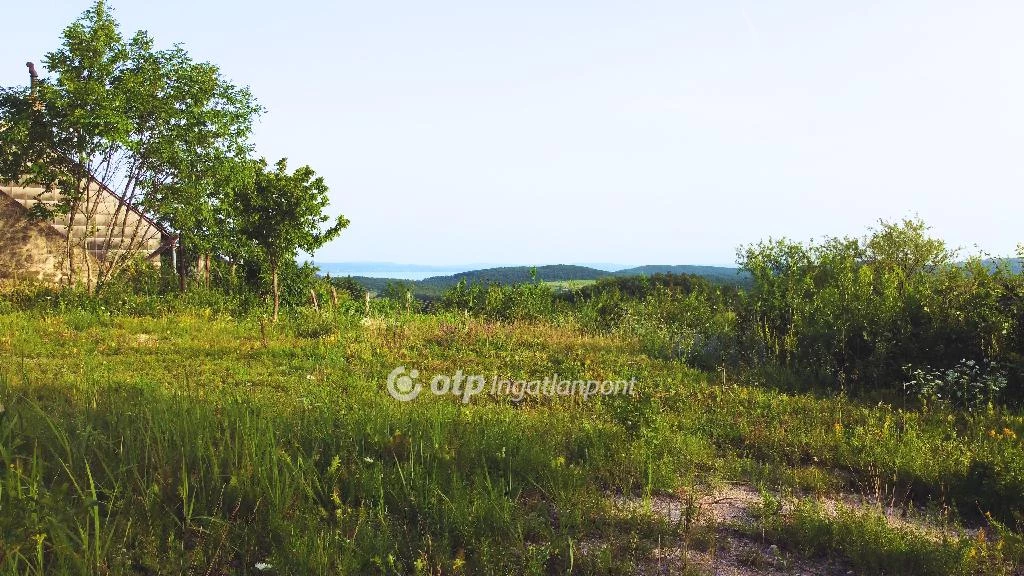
column 637, row 132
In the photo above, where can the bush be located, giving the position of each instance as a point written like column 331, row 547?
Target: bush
column 308, row 323
column 499, row 302
column 856, row 312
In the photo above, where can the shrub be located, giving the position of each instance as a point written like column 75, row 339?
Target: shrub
column 308, row 323
column 967, row 386
column 499, row 302
column 855, row 312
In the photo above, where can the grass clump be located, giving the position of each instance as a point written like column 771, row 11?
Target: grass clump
column 871, row 544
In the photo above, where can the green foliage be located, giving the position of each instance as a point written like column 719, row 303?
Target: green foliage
column 397, row 290
column 509, row 275
column 570, row 278
column 308, row 323
column 164, row 132
column 845, row 314
column 294, row 282
column 873, row 546
column 275, row 466
column 348, row 286
column 966, row 386
column 719, row 275
column 639, row 287
column 204, row 439
column 856, row 312
column 146, row 295
column 170, row 136
column 500, row 302
column 278, row 213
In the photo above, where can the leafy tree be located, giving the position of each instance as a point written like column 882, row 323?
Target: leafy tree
column 280, row 213
column 906, row 248
column 162, row 131
column 781, row 283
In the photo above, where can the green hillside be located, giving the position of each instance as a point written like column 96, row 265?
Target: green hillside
column 718, row 274
column 433, row 287
column 519, row 274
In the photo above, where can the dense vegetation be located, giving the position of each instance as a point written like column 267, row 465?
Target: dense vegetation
column 432, row 288
column 890, row 313
column 148, row 431
column 864, row 313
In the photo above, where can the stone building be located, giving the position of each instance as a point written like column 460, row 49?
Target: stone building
column 104, row 227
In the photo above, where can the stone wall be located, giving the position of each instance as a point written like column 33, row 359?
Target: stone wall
column 32, row 250
column 29, row 250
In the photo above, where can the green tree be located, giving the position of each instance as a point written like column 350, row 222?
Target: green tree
column 782, row 282
column 280, row 213
column 165, row 133
column 906, row 248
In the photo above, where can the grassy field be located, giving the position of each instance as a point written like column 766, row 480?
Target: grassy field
column 197, row 442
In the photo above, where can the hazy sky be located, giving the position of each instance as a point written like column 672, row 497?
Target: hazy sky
column 536, row 132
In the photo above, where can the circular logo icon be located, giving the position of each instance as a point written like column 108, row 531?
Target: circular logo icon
column 402, row 386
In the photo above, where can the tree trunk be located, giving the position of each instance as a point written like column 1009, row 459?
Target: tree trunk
column 181, row 267
column 277, row 292
column 70, row 248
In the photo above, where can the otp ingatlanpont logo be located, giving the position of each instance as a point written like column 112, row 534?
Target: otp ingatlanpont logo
column 404, row 387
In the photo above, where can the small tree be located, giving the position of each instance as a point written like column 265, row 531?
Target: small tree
column 280, row 213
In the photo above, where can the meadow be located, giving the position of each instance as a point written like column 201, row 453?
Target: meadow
column 848, row 406
column 183, row 434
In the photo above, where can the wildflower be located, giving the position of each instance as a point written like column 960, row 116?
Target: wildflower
column 460, row 560
column 262, row 566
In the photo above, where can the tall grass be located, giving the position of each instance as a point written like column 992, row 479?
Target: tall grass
column 204, row 440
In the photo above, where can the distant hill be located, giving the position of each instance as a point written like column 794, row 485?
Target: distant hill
column 435, row 286
column 1015, row 263
column 720, row 274
column 519, row 275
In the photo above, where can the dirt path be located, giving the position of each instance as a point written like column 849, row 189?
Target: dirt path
column 723, row 520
